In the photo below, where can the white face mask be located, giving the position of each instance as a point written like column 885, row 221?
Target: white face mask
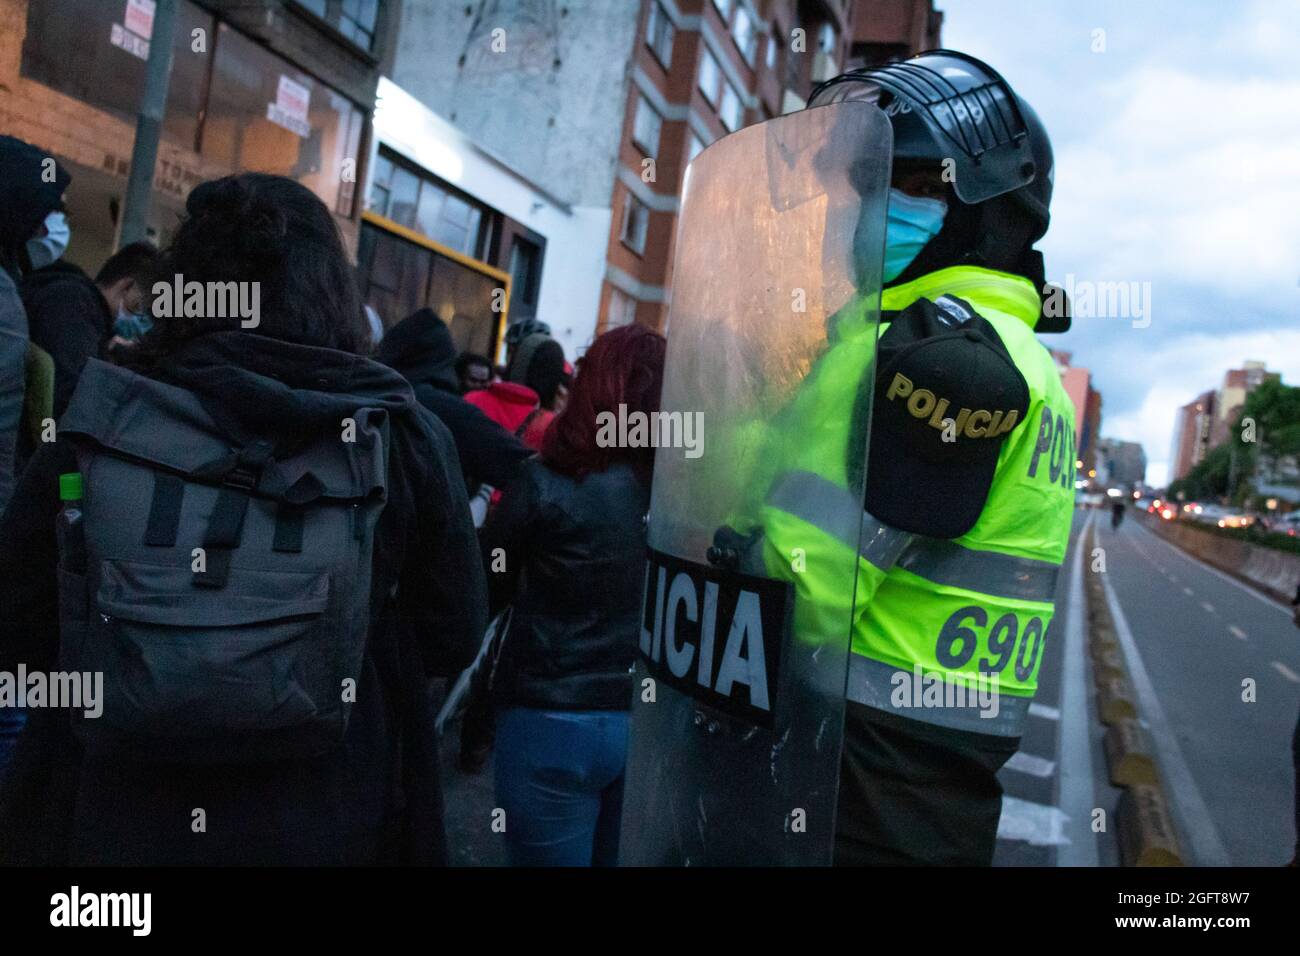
column 46, row 249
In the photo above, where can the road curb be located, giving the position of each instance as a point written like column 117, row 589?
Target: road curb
column 1146, row 828
column 1128, row 755
column 1144, row 823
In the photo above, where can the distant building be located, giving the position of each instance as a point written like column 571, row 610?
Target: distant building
column 1192, row 434
column 1087, row 412
column 1238, row 383
column 1121, row 463
column 602, row 104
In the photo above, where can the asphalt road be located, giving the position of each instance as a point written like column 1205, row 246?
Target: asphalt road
column 1208, row 645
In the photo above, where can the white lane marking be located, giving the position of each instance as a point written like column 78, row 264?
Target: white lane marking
column 1286, row 672
column 1034, row 823
column 1074, row 783
column 1236, row 632
column 1188, row 591
column 1022, row 762
column 1275, row 605
column 1198, row 827
column 1208, row 606
column 1042, row 710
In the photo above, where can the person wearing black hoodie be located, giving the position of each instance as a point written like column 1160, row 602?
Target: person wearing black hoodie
column 420, row 347
column 31, row 189
column 375, row 797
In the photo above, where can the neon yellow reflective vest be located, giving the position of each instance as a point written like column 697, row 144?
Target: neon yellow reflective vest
column 946, row 632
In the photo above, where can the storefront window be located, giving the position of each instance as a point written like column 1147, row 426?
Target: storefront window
column 264, row 115
column 238, row 105
column 96, row 51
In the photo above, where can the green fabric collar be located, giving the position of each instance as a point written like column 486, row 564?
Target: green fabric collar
column 982, row 288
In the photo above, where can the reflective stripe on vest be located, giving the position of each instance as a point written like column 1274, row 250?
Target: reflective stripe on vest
column 882, row 686
column 833, row 511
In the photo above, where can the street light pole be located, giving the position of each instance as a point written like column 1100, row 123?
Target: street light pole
column 148, row 127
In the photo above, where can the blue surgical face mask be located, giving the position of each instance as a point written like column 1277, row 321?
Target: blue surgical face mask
column 46, row 249
column 131, row 325
column 912, row 222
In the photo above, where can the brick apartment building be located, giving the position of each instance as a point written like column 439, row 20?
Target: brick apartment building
column 1205, row 421
column 604, row 104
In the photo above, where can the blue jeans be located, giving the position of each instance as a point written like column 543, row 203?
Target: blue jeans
column 559, row 779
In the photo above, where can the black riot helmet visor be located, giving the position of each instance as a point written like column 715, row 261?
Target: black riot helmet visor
column 947, row 107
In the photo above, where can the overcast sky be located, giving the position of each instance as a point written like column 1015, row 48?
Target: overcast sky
column 1177, row 165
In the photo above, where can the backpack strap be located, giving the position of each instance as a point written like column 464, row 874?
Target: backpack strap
column 164, row 510
column 238, row 479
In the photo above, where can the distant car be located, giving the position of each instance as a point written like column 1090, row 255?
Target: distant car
column 1143, row 504
column 1288, row 524
column 1236, row 521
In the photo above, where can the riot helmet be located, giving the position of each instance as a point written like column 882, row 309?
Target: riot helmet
column 954, row 112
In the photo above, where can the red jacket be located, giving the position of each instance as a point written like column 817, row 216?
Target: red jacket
column 509, row 405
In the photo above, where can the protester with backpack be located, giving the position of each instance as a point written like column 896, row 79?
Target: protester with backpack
column 264, row 547
column 566, row 548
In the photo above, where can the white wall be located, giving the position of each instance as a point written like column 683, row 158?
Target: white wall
column 576, row 237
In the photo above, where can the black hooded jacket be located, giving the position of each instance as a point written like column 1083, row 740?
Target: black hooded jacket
column 420, row 347
column 377, row 798
column 69, row 318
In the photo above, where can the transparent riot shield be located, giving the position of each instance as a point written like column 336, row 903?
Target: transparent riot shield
column 756, row 510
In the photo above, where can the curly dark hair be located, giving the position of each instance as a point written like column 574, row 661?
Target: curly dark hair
column 624, row 366
column 255, row 227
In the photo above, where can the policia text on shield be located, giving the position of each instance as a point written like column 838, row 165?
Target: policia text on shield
column 909, row 587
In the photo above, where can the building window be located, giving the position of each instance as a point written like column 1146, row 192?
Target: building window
column 622, row 309
column 710, row 78
column 525, row 273
column 732, row 112
column 645, row 130
column 636, row 219
column 724, row 8
column 263, row 115
column 742, row 31
column 697, row 147
column 420, row 202
column 355, row 19
column 659, row 34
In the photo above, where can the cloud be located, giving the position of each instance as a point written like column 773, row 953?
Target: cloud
column 1177, row 164
column 1171, row 376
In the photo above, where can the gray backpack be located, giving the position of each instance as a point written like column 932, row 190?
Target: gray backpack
column 226, row 593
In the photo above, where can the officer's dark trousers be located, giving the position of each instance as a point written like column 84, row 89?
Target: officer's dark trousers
column 915, row 794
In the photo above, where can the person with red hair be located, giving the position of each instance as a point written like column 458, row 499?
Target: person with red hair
column 566, row 549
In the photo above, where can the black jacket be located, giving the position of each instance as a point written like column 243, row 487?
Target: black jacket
column 377, row 798
column 69, row 318
column 420, row 347
column 574, row 558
